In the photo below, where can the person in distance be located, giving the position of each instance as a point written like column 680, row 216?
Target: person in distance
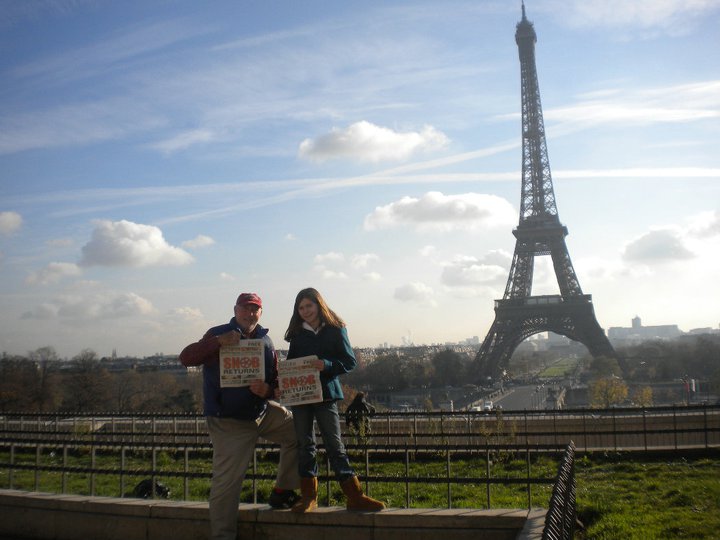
column 316, row 330
column 357, row 415
column 238, row 416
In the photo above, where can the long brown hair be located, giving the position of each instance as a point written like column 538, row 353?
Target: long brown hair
column 327, row 315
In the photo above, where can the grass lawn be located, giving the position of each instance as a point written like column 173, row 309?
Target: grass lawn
column 626, row 496
column 645, row 498
column 561, row 368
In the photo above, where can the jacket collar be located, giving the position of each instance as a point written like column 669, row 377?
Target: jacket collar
column 306, row 326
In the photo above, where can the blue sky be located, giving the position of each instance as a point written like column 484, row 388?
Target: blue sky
column 158, row 158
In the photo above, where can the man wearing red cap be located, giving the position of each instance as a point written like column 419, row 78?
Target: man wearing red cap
column 238, row 416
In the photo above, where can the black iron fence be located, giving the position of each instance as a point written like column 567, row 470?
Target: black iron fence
column 43, row 452
column 617, row 429
column 560, row 518
column 52, row 463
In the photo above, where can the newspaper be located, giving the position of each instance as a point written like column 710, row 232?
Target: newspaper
column 299, row 381
column 242, row 363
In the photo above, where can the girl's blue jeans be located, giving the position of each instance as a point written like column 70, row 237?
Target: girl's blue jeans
column 328, row 419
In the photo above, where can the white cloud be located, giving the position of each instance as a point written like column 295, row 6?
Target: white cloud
column 9, row 222
column 673, row 16
column 645, row 106
column 332, row 257
column 124, row 243
column 372, row 276
column 333, row 265
column 415, row 292
column 362, row 260
column 42, row 312
column 657, row 246
column 705, row 225
column 53, row 273
column 187, row 313
column 76, row 124
column 185, row 140
column 328, row 273
column 289, row 237
column 84, row 306
column 226, row 277
column 469, row 211
column 199, row 241
column 464, row 271
column 427, row 251
column 366, row 142
column 598, row 269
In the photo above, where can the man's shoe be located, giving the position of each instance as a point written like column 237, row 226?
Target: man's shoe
column 283, row 499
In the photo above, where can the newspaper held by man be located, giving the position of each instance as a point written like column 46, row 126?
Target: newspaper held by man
column 299, row 381
column 242, row 364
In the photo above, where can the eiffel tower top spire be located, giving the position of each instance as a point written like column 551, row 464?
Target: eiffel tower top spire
column 525, row 28
column 537, row 199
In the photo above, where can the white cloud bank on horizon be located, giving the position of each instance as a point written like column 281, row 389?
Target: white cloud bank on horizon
column 436, row 211
column 367, row 142
column 10, row 222
column 124, row 243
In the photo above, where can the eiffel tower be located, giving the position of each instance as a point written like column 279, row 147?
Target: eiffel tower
column 519, row 314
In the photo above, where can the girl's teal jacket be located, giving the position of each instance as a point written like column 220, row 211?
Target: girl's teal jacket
column 330, row 344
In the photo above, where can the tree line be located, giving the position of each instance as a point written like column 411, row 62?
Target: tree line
column 41, row 382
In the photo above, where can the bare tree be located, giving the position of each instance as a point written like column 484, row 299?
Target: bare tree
column 128, row 391
column 87, row 385
column 17, row 375
column 43, row 392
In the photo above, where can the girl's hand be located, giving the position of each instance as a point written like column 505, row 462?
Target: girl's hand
column 318, row 364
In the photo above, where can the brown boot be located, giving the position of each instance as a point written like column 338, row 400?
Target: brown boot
column 356, row 499
column 308, row 496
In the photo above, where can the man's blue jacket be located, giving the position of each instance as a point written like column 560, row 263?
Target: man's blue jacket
column 238, row 403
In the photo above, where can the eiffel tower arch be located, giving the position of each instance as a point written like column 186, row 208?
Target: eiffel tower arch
column 519, row 314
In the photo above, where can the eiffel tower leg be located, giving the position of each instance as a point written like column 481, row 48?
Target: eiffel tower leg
column 495, row 352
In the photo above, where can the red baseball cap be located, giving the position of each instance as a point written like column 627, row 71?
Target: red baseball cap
column 249, row 298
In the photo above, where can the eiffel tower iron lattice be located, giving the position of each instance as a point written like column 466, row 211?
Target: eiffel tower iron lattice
column 520, row 315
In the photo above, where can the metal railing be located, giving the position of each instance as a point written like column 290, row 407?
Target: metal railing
column 561, row 515
column 50, row 458
column 617, row 429
column 27, row 440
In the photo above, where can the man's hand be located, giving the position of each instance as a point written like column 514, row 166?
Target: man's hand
column 260, row 388
column 229, row 338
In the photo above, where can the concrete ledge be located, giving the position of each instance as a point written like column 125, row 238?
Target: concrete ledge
column 44, row 516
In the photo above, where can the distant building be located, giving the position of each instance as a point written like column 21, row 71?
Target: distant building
column 708, row 330
column 637, row 332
